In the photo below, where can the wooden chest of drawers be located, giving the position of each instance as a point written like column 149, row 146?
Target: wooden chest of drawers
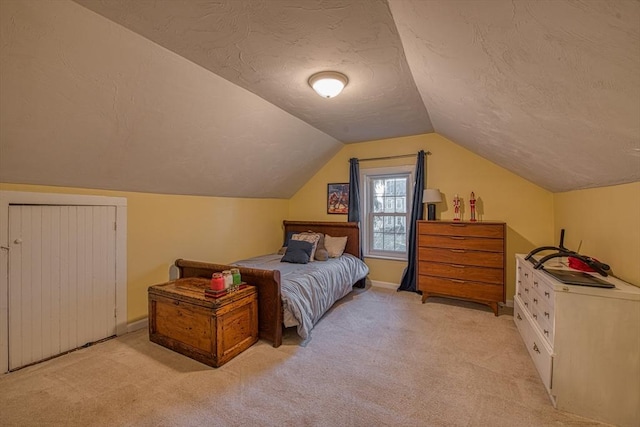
column 463, row 260
column 211, row 331
column 583, row 341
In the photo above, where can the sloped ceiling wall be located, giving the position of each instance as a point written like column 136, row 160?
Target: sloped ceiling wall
column 211, row 97
column 547, row 89
column 86, row 103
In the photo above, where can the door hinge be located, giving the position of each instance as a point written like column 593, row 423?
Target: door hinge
column 115, row 226
column 115, row 311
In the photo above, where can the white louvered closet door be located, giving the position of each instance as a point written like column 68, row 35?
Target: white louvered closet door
column 62, row 281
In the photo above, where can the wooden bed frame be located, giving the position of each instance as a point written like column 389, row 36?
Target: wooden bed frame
column 270, row 315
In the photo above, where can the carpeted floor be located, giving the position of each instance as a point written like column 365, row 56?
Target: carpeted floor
column 378, row 358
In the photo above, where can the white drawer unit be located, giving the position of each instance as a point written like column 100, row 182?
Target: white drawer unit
column 584, row 342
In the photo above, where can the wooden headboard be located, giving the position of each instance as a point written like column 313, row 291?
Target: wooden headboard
column 333, row 229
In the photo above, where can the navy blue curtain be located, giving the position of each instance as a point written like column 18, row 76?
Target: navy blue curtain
column 408, row 282
column 354, row 191
column 354, row 203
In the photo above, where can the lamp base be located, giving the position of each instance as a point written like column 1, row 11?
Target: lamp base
column 431, row 211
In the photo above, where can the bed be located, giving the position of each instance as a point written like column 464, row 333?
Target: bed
column 276, row 285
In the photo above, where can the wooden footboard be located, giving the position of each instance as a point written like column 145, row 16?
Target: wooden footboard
column 267, row 282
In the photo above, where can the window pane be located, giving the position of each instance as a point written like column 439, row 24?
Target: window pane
column 401, row 187
column 401, row 205
column 389, row 205
column 378, row 223
column 388, row 224
column 378, row 240
column 390, row 187
column 378, row 204
column 378, row 187
column 389, row 242
column 401, row 224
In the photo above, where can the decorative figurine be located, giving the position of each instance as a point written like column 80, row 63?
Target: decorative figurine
column 472, row 203
column 456, row 208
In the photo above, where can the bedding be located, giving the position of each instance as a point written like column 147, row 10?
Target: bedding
column 268, row 282
column 309, row 290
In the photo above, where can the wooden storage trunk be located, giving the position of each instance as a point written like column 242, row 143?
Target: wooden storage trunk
column 211, row 331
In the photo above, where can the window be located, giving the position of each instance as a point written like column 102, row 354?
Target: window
column 386, row 211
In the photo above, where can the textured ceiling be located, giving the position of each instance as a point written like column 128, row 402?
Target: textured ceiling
column 175, row 96
column 547, row 89
column 272, row 47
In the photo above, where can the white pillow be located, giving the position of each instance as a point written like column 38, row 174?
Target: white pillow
column 311, row 238
column 335, row 245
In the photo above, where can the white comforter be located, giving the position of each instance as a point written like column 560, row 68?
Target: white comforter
column 309, row 290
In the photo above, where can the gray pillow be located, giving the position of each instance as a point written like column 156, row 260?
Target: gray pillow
column 298, row 252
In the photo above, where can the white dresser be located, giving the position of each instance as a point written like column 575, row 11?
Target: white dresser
column 584, row 342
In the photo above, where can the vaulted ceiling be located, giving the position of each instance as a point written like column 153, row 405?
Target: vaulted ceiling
column 211, row 97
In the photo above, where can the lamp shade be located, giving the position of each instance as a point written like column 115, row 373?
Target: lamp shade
column 431, row 195
column 328, row 83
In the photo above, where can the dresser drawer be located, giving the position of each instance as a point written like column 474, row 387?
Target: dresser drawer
column 545, row 325
column 544, row 290
column 460, row 288
column 462, row 272
column 461, row 242
column 539, row 352
column 463, row 229
column 462, row 256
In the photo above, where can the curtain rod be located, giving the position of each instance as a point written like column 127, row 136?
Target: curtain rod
column 427, row 153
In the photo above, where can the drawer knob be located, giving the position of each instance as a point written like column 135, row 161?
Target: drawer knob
column 546, row 332
column 458, row 251
column 458, row 266
column 535, row 348
column 176, row 302
column 519, row 318
column 457, row 238
column 546, row 313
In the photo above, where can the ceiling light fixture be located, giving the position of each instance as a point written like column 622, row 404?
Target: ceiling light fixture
column 328, row 83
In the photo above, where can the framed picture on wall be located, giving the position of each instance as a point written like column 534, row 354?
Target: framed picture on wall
column 338, row 198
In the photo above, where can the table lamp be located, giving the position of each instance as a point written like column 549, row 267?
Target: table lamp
column 431, row 196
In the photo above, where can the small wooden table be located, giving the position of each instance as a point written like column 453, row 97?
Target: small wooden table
column 211, row 331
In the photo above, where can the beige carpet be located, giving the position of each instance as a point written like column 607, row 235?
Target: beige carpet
column 378, row 358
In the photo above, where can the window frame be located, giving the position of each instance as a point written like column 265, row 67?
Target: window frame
column 366, row 175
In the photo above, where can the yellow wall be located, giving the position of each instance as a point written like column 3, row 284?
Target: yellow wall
column 162, row 228
column 606, row 221
column 502, row 196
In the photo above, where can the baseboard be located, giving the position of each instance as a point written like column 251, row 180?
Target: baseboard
column 137, row 325
column 387, row 285
column 509, row 303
